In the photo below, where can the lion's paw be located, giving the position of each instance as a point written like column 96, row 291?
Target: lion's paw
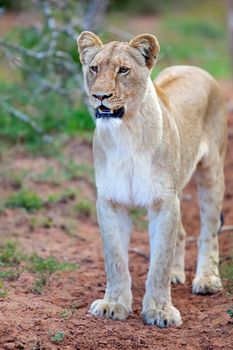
column 106, row 309
column 163, row 317
column 178, row 277
column 206, row 284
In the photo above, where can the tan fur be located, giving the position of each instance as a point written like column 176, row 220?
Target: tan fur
column 161, row 95
column 169, row 131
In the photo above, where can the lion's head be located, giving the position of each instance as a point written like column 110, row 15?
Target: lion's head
column 116, row 74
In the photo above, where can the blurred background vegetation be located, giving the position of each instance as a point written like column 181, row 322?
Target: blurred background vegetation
column 42, row 100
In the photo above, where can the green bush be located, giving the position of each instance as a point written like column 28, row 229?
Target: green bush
column 10, row 254
column 52, row 113
column 197, row 28
column 49, row 265
column 24, row 199
column 49, row 89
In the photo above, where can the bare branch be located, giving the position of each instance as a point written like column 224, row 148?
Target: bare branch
column 139, row 252
column 53, row 68
column 227, row 228
column 22, row 50
column 25, row 118
column 51, row 24
column 47, row 11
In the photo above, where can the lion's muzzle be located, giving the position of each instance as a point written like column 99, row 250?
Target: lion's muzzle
column 106, row 113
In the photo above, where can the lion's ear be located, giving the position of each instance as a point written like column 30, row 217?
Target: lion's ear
column 148, row 46
column 88, row 45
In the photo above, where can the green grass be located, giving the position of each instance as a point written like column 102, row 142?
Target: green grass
column 226, row 270
column 68, row 170
column 9, row 275
column 38, row 264
column 44, row 267
column 139, row 218
column 39, row 284
column 84, row 208
column 31, row 201
column 194, row 41
column 73, row 171
column 230, row 312
column 15, row 178
column 53, row 114
column 49, row 175
column 42, row 221
column 197, row 28
column 3, row 291
column 66, row 313
column 58, row 337
column 25, row 199
column 190, row 32
column 62, row 197
column 38, row 221
column 12, row 255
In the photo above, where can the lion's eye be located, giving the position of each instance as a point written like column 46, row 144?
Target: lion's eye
column 123, row 70
column 94, row 69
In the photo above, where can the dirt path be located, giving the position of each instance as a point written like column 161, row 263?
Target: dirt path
column 27, row 321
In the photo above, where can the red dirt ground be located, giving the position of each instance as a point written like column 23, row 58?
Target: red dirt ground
column 27, row 320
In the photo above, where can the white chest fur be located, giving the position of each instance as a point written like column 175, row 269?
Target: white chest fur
column 128, row 175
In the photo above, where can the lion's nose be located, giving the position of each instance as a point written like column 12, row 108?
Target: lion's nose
column 102, row 97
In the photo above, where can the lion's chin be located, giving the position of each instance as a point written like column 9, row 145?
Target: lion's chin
column 103, row 112
column 108, row 123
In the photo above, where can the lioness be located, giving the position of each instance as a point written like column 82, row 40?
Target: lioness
column 149, row 139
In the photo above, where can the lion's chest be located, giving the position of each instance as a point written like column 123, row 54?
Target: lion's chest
column 127, row 177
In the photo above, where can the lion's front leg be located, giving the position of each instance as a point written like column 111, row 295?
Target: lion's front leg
column 115, row 227
column 157, row 305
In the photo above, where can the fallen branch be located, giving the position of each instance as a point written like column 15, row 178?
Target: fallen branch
column 227, row 228
column 139, row 252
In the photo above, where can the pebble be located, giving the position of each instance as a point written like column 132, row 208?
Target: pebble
column 9, row 346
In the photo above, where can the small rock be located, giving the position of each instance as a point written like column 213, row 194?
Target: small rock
column 9, row 346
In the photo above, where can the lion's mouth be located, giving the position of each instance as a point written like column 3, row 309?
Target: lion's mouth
column 104, row 112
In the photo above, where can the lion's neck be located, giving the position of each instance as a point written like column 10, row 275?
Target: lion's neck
column 148, row 119
column 150, row 110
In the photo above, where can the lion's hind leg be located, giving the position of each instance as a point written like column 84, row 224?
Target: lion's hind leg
column 178, row 273
column 210, row 181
